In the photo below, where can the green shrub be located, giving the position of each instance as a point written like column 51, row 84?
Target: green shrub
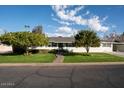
column 28, row 54
column 44, row 51
column 20, row 41
column 54, row 51
column 39, row 51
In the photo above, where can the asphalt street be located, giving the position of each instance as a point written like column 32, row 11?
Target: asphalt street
column 84, row 76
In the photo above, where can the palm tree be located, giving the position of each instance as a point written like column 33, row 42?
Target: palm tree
column 87, row 39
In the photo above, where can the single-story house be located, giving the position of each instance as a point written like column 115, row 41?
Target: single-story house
column 68, row 43
column 119, row 45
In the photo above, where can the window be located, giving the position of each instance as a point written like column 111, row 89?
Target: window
column 106, row 44
column 66, row 44
column 70, row 44
column 54, row 44
column 50, row 44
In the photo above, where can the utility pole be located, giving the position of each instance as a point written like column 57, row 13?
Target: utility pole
column 27, row 28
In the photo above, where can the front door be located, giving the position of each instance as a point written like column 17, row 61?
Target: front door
column 60, row 48
column 60, row 45
column 114, row 47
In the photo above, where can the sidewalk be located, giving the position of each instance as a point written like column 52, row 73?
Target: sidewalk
column 59, row 64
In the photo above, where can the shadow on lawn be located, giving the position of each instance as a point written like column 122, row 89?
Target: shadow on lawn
column 63, row 52
column 75, row 54
column 17, row 54
column 9, row 54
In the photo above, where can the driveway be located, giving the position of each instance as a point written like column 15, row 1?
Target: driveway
column 83, row 76
column 121, row 54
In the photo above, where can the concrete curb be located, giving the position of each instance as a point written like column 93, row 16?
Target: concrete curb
column 60, row 64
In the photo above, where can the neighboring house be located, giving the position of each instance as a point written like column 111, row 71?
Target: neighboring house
column 119, row 44
column 5, row 48
column 68, row 43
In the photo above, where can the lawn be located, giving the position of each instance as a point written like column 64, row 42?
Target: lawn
column 34, row 58
column 94, row 57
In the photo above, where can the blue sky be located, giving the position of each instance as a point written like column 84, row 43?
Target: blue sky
column 63, row 20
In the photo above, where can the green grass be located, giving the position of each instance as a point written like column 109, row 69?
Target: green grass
column 94, row 57
column 34, row 58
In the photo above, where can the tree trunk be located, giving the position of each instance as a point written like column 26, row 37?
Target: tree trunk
column 87, row 49
column 26, row 51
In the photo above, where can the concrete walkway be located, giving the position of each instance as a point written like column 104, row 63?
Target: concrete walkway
column 59, row 59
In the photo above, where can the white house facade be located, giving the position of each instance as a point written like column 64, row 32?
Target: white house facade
column 68, row 44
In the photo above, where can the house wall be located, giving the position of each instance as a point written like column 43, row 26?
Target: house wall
column 79, row 49
column 5, row 48
column 92, row 49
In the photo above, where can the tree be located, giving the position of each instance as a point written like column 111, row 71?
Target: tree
column 38, row 29
column 20, row 41
column 121, row 37
column 111, row 37
column 87, row 39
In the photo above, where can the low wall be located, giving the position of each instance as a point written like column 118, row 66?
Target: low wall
column 92, row 49
column 78, row 49
column 5, row 48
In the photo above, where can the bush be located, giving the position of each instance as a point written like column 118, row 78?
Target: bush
column 44, row 51
column 73, row 54
column 28, row 54
column 54, row 51
column 18, row 50
column 59, row 51
column 34, row 51
column 39, row 51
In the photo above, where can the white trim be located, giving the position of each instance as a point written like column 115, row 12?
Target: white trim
column 118, row 43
